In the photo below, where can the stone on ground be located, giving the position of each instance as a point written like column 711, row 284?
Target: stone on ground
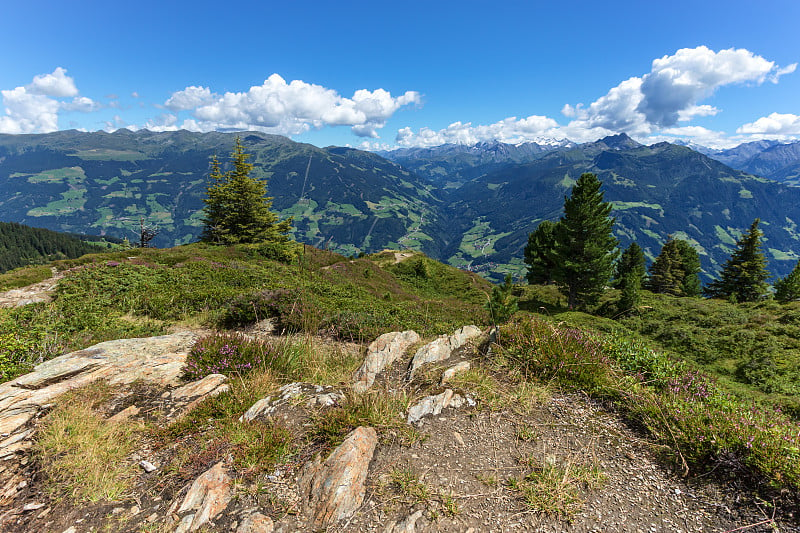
column 442, row 348
column 381, row 353
column 334, row 489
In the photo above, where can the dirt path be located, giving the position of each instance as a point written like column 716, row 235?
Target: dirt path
column 470, row 460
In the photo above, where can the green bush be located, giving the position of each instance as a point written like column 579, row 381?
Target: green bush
column 247, row 309
column 227, row 353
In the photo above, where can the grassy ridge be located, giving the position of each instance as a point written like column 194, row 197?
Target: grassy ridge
column 145, row 292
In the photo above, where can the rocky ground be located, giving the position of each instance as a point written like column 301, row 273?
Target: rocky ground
column 522, row 460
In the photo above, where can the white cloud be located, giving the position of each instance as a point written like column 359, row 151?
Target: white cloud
column 134, row 94
column 509, row 130
column 677, row 82
column 648, row 107
column 28, row 113
column 288, row 108
column 56, row 84
column 34, row 108
column 82, row 104
column 164, row 122
column 773, row 124
column 189, row 98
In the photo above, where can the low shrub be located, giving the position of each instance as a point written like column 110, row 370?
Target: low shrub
column 226, row 353
column 283, row 305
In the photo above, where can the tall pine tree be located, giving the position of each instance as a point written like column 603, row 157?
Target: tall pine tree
column 744, row 276
column 237, row 208
column 585, row 248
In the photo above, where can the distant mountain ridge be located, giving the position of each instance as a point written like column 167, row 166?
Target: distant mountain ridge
column 472, row 206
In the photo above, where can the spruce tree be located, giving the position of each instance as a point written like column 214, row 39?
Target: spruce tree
column 630, row 276
column 237, row 208
column 788, row 289
column 585, row 248
column 631, row 262
column 690, row 262
column 539, row 253
column 666, row 272
column 744, row 276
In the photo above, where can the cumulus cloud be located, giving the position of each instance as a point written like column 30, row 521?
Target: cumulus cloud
column 189, row 98
column 56, row 84
column 28, row 113
column 34, row 108
column 510, row 130
column 288, row 108
column 164, row 122
column 671, row 91
column 82, row 104
column 677, row 82
column 647, row 107
column 773, row 124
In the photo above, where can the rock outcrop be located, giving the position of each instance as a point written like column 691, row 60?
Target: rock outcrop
column 442, row 348
column 292, row 403
column 334, row 489
column 383, row 351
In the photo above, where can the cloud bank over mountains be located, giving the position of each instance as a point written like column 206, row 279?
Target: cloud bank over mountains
column 652, row 105
column 658, row 105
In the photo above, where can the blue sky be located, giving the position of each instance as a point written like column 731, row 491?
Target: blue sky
column 378, row 74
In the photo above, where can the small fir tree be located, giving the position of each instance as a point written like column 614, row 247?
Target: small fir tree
column 631, row 262
column 237, row 208
column 690, row 262
column 788, row 289
column 666, row 272
column 585, row 248
column 502, row 304
column 629, row 277
column 744, row 276
column 539, row 253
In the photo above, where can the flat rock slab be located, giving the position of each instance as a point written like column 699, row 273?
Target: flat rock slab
column 334, row 489
column 442, row 348
column 381, row 353
column 38, row 292
column 157, row 360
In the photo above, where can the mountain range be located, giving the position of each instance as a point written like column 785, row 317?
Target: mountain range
column 472, row 206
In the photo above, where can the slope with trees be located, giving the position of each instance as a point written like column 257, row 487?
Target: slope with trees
column 22, row 245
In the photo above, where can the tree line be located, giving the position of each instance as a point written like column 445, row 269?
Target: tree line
column 580, row 254
column 22, row 245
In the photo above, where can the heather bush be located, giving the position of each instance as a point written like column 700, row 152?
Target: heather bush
column 235, row 353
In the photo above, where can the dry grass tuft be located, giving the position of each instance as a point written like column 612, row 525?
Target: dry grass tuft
column 83, row 455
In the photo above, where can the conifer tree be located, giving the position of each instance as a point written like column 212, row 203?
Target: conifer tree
column 788, row 289
column 666, row 272
column 690, row 262
column 539, row 253
column 631, row 262
column 237, row 208
column 585, row 248
column 744, row 276
column 630, row 276
column 502, row 304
